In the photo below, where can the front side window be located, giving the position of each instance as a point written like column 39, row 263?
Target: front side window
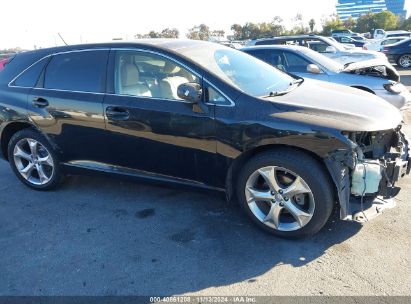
column 82, row 71
column 296, row 63
column 215, row 97
column 149, row 75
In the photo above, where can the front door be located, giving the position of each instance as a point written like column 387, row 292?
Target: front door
column 151, row 128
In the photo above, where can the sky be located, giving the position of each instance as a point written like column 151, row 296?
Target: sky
column 29, row 24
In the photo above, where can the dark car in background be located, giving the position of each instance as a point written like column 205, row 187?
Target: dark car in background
column 399, row 53
column 203, row 115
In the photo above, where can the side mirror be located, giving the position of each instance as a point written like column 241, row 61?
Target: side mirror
column 190, row 91
column 313, row 69
column 330, row 49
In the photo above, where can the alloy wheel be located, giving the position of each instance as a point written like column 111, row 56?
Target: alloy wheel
column 405, row 61
column 33, row 161
column 279, row 198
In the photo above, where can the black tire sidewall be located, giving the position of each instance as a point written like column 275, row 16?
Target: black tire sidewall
column 310, row 171
column 33, row 134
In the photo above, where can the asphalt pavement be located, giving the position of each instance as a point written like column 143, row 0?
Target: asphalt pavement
column 104, row 236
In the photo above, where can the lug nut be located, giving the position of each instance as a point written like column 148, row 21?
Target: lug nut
column 272, row 192
column 280, row 191
column 281, row 204
column 286, row 198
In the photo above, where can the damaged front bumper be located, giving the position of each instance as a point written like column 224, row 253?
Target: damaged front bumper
column 366, row 174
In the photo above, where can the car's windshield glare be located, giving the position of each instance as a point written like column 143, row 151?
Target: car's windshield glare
column 250, row 75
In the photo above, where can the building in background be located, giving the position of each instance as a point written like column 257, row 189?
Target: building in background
column 397, row 7
column 356, row 8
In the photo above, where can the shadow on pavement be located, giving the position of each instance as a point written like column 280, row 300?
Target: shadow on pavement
column 101, row 236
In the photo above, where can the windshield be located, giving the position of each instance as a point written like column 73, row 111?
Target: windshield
column 247, row 73
column 322, row 60
column 333, row 43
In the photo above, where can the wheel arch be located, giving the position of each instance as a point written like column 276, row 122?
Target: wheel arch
column 8, row 131
column 238, row 163
column 359, row 87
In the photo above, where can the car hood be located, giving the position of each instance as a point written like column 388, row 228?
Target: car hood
column 338, row 107
column 373, row 67
column 354, row 55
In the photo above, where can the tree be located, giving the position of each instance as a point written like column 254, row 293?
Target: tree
column 166, row 33
column 199, row 32
column 332, row 24
column 258, row 30
column 385, row 20
column 217, row 33
column 311, row 23
column 299, row 28
column 170, row 33
column 406, row 24
column 349, row 23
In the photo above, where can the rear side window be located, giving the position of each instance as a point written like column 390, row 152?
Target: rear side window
column 77, row 71
column 272, row 57
column 267, row 42
column 30, row 77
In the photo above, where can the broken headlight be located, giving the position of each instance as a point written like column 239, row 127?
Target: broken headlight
column 395, row 87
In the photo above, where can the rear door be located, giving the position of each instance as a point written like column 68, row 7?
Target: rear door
column 67, row 102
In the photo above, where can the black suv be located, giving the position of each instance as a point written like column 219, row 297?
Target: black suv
column 203, row 115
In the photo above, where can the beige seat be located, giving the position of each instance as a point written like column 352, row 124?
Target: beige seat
column 170, row 83
column 130, row 84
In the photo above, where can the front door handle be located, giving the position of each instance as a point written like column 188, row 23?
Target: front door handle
column 40, row 102
column 117, row 113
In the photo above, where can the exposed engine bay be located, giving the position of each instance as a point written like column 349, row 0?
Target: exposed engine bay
column 381, row 71
column 369, row 173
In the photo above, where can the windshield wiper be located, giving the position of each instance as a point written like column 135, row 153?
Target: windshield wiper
column 347, row 64
column 290, row 88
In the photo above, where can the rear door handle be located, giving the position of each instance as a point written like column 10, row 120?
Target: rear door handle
column 40, row 102
column 117, row 113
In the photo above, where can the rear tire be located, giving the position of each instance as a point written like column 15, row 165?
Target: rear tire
column 286, row 193
column 34, row 161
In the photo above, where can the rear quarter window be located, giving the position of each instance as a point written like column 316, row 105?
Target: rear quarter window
column 30, row 76
column 82, row 71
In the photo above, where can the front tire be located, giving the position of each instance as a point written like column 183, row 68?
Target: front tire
column 404, row 61
column 285, row 192
column 34, row 161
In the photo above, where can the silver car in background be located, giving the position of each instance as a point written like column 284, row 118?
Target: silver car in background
column 375, row 76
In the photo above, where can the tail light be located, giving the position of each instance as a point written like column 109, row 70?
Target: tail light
column 3, row 63
column 384, row 50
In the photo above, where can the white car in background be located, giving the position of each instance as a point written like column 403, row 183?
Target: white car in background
column 377, row 45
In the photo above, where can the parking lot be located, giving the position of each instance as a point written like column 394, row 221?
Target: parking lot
column 103, row 236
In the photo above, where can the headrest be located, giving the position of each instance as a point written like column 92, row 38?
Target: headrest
column 170, row 68
column 129, row 75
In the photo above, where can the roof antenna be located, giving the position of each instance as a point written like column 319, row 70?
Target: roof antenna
column 62, row 39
